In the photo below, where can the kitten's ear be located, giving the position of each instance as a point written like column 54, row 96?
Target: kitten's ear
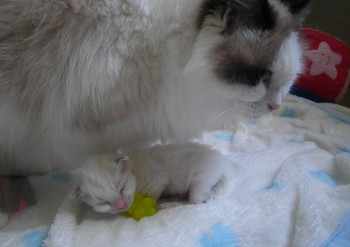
column 296, row 7
column 125, row 163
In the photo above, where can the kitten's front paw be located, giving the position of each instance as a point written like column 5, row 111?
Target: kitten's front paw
column 166, row 205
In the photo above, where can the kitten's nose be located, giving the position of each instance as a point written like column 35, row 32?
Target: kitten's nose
column 273, row 106
column 121, row 204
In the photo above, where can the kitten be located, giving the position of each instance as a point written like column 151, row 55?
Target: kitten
column 78, row 77
column 109, row 182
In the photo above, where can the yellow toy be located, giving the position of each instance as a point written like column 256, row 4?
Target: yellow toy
column 142, row 206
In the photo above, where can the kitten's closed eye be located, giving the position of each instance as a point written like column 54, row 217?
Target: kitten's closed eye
column 102, row 203
column 121, row 188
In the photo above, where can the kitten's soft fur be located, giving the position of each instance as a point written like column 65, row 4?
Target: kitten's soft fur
column 78, row 77
column 108, row 182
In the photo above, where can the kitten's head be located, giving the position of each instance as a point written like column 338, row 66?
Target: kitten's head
column 253, row 48
column 107, row 184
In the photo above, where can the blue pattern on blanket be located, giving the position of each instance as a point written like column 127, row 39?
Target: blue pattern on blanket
column 220, row 236
column 224, row 136
column 295, row 141
column 251, row 122
column 343, row 150
column 304, row 128
column 63, row 177
column 324, row 177
column 275, row 185
column 288, row 112
column 34, row 238
column 341, row 237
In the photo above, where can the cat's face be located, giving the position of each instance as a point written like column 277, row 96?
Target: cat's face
column 254, row 49
column 108, row 184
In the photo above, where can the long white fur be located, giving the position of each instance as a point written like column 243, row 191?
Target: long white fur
column 120, row 68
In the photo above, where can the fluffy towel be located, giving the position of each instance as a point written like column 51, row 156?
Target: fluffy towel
column 290, row 188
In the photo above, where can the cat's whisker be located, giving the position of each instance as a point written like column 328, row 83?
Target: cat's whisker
column 217, row 116
column 250, row 105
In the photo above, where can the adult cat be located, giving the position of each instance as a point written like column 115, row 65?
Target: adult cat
column 78, row 77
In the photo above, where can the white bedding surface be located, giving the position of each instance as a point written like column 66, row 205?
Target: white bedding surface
column 290, row 188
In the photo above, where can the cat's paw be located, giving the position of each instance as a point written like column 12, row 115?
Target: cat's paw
column 4, row 218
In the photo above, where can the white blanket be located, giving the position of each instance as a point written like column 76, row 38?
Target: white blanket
column 290, row 188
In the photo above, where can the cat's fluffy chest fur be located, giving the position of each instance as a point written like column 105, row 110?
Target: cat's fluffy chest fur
column 108, row 183
column 81, row 77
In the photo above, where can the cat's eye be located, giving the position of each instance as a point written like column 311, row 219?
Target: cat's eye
column 266, row 76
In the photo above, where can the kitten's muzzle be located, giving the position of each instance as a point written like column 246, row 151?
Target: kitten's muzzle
column 121, row 204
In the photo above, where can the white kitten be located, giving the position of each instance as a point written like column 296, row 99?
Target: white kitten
column 109, row 182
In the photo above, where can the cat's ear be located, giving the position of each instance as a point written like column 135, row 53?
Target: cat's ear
column 251, row 14
column 297, row 7
column 235, row 14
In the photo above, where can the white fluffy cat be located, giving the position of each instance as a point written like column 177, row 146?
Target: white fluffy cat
column 108, row 182
column 80, row 77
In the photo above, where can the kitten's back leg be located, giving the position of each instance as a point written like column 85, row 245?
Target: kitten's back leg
column 211, row 181
column 202, row 191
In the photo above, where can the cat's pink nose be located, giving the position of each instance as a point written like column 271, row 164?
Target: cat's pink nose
column 121, row 204
column 273, row 106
